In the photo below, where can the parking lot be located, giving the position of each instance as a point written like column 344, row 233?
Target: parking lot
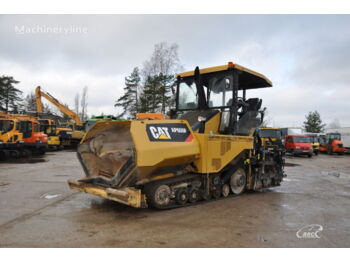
column 37, row 209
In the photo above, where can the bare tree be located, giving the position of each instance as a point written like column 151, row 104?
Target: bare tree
column 54, row 110
column 76, row 103
column 30, row 103
column 334, row 124
column 164, row 60
column 84, row 103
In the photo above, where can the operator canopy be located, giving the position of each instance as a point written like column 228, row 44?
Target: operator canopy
column 248, row 79
column 203, row 92
column 216, row 87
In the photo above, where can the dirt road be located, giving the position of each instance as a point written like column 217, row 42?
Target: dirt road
column 37, row 209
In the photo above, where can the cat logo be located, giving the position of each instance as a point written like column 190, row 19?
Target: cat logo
column 168, row 132
column 160, row 132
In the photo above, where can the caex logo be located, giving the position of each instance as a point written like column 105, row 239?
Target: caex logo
column 309, row 231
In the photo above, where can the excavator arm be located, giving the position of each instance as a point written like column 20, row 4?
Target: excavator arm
column 39, row 93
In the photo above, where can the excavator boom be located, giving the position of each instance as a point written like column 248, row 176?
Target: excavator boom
column 64, row 109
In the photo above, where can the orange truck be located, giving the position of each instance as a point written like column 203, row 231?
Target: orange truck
column 331, row 143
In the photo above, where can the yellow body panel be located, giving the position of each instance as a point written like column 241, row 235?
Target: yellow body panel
column 78, row 134
column 12, row 136
column 219, row 150
column 54, row 141
column 151, row 155
column 213, row 124
column 316, row 146
column 58, row 129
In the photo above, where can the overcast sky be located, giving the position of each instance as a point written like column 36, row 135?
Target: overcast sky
column 307, row 57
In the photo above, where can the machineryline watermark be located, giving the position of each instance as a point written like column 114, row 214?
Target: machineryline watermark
column 43, row 29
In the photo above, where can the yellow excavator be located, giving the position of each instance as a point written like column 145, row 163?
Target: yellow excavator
column 48, row 127
column 70, row 135
column 20, row 136
column 11, row 138
column 209, row 149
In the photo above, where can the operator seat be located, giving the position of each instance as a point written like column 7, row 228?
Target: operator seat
column 248, row 118
column 253, row 104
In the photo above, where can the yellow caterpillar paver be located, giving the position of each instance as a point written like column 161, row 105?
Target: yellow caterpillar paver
column 210, row 148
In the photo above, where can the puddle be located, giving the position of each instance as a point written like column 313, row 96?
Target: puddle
column 286, row 206
column 334, row 173
column 289, row 180
column 49, row 196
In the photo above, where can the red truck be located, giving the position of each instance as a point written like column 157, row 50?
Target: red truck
column 298, row 145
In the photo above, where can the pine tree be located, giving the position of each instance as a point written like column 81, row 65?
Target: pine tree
column 157, row 95
column 144, row 104
column 313, row 123
column 166, row 84
column 9, row 95
column 129, row 101
column 153, row 94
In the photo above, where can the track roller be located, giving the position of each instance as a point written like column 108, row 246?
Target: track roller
column 238, row 181
column 158, row 195
column 216, row 192
column 193, row 195
column 225, row 190
column 181, row 196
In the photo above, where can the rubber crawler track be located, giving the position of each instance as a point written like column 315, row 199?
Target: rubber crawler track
column 201, row 201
